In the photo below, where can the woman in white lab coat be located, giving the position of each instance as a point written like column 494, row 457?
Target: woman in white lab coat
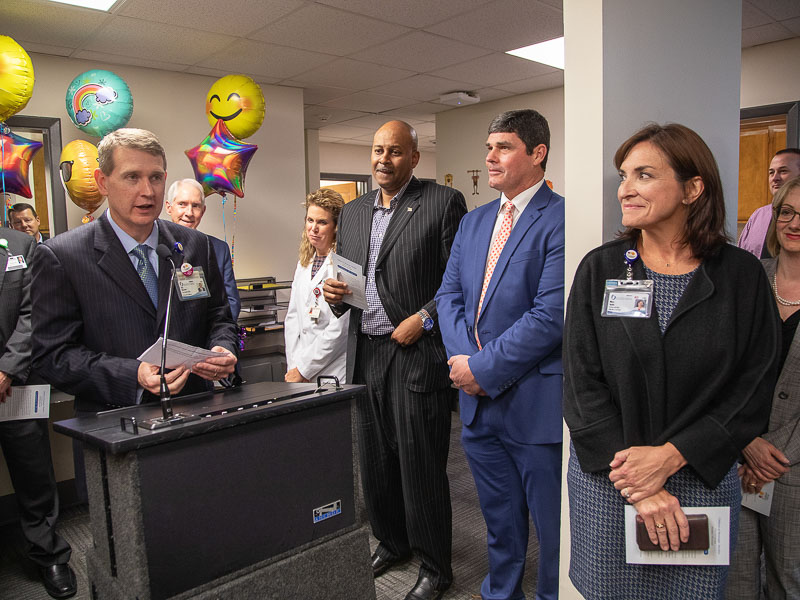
column 316, row 341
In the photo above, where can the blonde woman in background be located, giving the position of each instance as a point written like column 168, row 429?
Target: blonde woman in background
column 316, row 341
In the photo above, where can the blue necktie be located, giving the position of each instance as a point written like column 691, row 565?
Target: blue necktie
column 146, row 272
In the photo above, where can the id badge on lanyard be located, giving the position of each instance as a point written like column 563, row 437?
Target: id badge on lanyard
column 628, row 298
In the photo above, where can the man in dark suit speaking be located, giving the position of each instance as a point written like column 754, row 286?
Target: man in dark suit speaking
column 100, row 291
column 401, row 237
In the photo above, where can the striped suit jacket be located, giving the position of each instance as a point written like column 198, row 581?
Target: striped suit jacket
column 92, row 316
column 784, row 420
column 408, row 270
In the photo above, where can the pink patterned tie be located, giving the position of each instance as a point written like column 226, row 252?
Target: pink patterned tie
column 491, row 262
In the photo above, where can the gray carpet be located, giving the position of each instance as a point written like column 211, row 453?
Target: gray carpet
column 20, row 581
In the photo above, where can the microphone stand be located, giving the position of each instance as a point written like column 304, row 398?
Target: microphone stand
column 167, row 417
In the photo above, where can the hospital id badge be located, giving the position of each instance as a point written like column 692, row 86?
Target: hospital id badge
column 16, row 262
column 629, row 298
column 313, row 312
column 192, row 285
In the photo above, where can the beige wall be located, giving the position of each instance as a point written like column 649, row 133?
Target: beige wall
column 461, row 141
column 172, row 105
column 354, row 160
column 769, row 73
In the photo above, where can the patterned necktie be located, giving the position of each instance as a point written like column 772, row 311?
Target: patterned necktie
column 491, row 262
column 146, row 272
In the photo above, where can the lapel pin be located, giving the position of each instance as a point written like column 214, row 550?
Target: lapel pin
column 187, row 269
column 410, row 209
column 4, row 243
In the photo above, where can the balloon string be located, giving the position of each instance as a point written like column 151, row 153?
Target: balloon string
column 233, row 234
column 3, row 171
column 224, row 232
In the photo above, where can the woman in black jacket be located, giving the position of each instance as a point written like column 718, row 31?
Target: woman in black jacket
column 660, row 408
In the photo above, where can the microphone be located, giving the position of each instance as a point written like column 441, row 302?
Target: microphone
column 167, row 418
column 166, row 399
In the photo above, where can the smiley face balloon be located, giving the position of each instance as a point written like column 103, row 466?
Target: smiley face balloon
column 237, row 100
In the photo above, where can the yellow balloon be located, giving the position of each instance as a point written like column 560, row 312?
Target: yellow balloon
column 237, row 100
column 78, row 163
column 16, row 77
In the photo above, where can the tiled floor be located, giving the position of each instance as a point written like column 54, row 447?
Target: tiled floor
column 19, row 581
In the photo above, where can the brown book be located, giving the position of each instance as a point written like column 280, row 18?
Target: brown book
column 698, row 534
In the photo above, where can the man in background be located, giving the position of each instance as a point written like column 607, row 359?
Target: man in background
column 26, row 442
column 23, row 218
column 186, row 205
column 401, row 237
column 785, row 165
column 501, row 312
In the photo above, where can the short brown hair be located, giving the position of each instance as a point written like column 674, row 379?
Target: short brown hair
column 689, row 157
column 137, row 139
column 777, row 201
column 326, row 199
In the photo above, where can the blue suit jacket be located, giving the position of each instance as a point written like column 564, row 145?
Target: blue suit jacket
column 522, row 317
column 225, row 265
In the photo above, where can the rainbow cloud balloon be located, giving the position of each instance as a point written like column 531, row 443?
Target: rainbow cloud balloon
column 98, row 102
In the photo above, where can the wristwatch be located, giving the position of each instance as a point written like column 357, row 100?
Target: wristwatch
column 427, row 322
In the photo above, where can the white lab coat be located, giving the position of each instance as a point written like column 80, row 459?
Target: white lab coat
column 315, row 348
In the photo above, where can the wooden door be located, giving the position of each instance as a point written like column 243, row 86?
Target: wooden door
column 759, row 139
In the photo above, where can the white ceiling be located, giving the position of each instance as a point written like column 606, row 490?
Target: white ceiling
column 359, row 62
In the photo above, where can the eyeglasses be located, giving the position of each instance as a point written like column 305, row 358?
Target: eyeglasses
column 785, row 214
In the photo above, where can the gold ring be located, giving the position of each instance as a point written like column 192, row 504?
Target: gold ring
column 659, row 526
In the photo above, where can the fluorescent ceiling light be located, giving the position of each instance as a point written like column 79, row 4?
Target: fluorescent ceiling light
column 548, row 53
column 95, row 4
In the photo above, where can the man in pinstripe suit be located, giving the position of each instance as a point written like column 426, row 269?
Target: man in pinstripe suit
column 402, row 236
column 93, row 313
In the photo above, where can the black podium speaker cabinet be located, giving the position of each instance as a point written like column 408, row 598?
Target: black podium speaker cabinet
column 255, row 499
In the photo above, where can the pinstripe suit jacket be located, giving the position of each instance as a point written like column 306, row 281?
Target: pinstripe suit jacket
column 408, row 271
column 92, row 316
column 15, row 306
column 784, row 420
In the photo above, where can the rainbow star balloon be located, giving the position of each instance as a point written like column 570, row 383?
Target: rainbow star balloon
column 16, row 153
column 220, row 161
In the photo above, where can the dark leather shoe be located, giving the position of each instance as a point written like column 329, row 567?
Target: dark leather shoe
column 59, row 581
column 426, row 590
column 381, row 563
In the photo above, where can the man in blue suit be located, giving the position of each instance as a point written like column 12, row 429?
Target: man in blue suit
column 501, row 313
column 186, row 205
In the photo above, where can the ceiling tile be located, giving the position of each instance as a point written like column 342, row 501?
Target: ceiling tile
column 258, row 58
column 488, row 94
column 320, row 116
column 328, row 30
column 778, row 9
column 369, row 102
column 423, row 87
column 330, row 139
column 752, row 16
column 764, row 34
column 374, row 122
column 421, row 111
column 422, row 52
column 48, row 23
column 495, row 69
column 792, row 25
column 47, row 49
column 411, row 14
column 240, row 16
column 505, row 24
column 534, row 84
column 344, row 131
column 124, row 36
column 104, row 57
column 317, row 94
column 356, row 74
